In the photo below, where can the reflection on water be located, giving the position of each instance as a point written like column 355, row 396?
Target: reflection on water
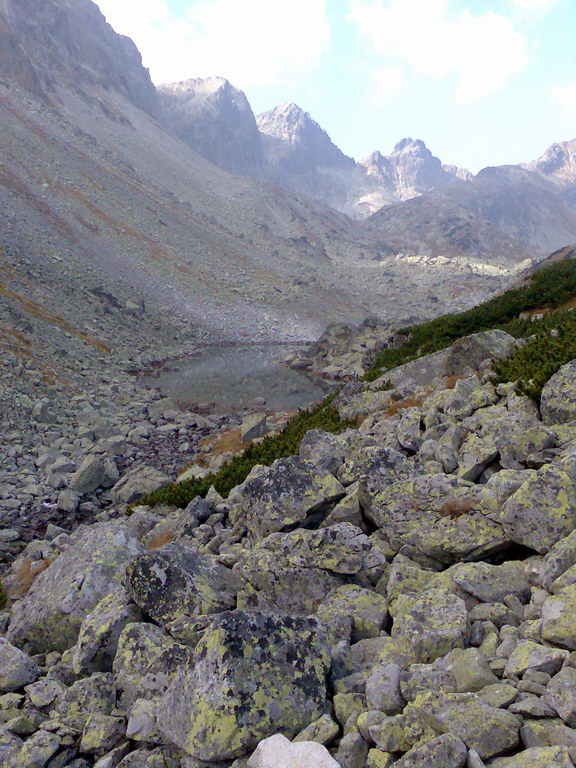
column 236, row 377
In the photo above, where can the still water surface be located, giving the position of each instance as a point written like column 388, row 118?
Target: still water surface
column 235, row 377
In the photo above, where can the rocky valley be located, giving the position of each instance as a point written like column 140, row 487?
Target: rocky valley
column 385, row 578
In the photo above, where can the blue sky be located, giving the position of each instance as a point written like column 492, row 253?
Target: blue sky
column 482, row 82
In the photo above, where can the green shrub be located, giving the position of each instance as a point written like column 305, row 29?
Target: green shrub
column 549, row 287
column 323, row 415
column 551, row 346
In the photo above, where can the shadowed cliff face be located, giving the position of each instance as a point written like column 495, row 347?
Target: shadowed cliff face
column 44, row 43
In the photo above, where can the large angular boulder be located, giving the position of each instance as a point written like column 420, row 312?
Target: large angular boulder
column 489, row 730
column 16, row 668
column 97, row 641
column 341, row 548
column 274, row 498
column 442, row 752
column 561, row 695
column 50, row 616
column 558, row 401
column 435, row 624
column 146, row 661
column 559, row 618
column 278, row 752
column 252, row 676
column 265, row 581
column 177, row 581
column 137, row 483
column 542, row 511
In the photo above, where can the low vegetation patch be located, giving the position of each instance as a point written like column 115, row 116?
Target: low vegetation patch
column 323, row 415
column 551, row 345
column 550, row 287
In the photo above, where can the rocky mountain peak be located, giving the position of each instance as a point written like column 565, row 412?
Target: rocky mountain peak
column 294, row 127
column 558, row 162
column 215, row 119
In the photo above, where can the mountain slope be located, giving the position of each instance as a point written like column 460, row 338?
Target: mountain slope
column 502, row 215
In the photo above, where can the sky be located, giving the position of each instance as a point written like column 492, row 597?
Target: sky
column 482, row 82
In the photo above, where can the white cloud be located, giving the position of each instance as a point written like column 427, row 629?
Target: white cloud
column 252, row 43
column 481, row 52
column 529, row 7
column 565, row 96
column 387, row 84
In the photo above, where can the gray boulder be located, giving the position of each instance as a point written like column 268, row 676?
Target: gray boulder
column 558, row 401
column 445, row 751
column 277, row 752
column 177, row 581
column 146, row 662
column 94, row 563
column 252, row 675
column 137, row 483
column 434, row 625
column 89, row 476
column 284, row 494
column 16, row 668
column 542, row 511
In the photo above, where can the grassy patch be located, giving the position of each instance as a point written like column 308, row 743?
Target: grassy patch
column 321, row 416
column 551, row 286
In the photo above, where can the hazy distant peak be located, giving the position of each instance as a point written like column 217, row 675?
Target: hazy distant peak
column 558, row 163
column 287, row 121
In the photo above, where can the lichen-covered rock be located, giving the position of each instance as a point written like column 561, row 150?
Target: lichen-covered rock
column 561, row 695
column 530, row 655
column 137, row 483
column 559, row 618
column 323, row 449
column 558, row 401
column 322, row 731
column 542, row 511
column 492, row 583
column 146, row 661
column 341, row 548
column 102, row 733
column 537, row 757
column 92, row 694
column 434, row 625
column 16, row 668
column 36, row 752
column 94, row 563
column 558, row 560
column 471, row 672
column 97, row 641
column 437, row 514
column 177, row 581
column 265, row 583
column 383, row 689
column 284, row 494
column 277, row 752
column 252, row 674
column 442, row 752
column 366, row 610
column 488, row 730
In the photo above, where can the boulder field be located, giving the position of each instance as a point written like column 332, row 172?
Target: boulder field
column 402, row 594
